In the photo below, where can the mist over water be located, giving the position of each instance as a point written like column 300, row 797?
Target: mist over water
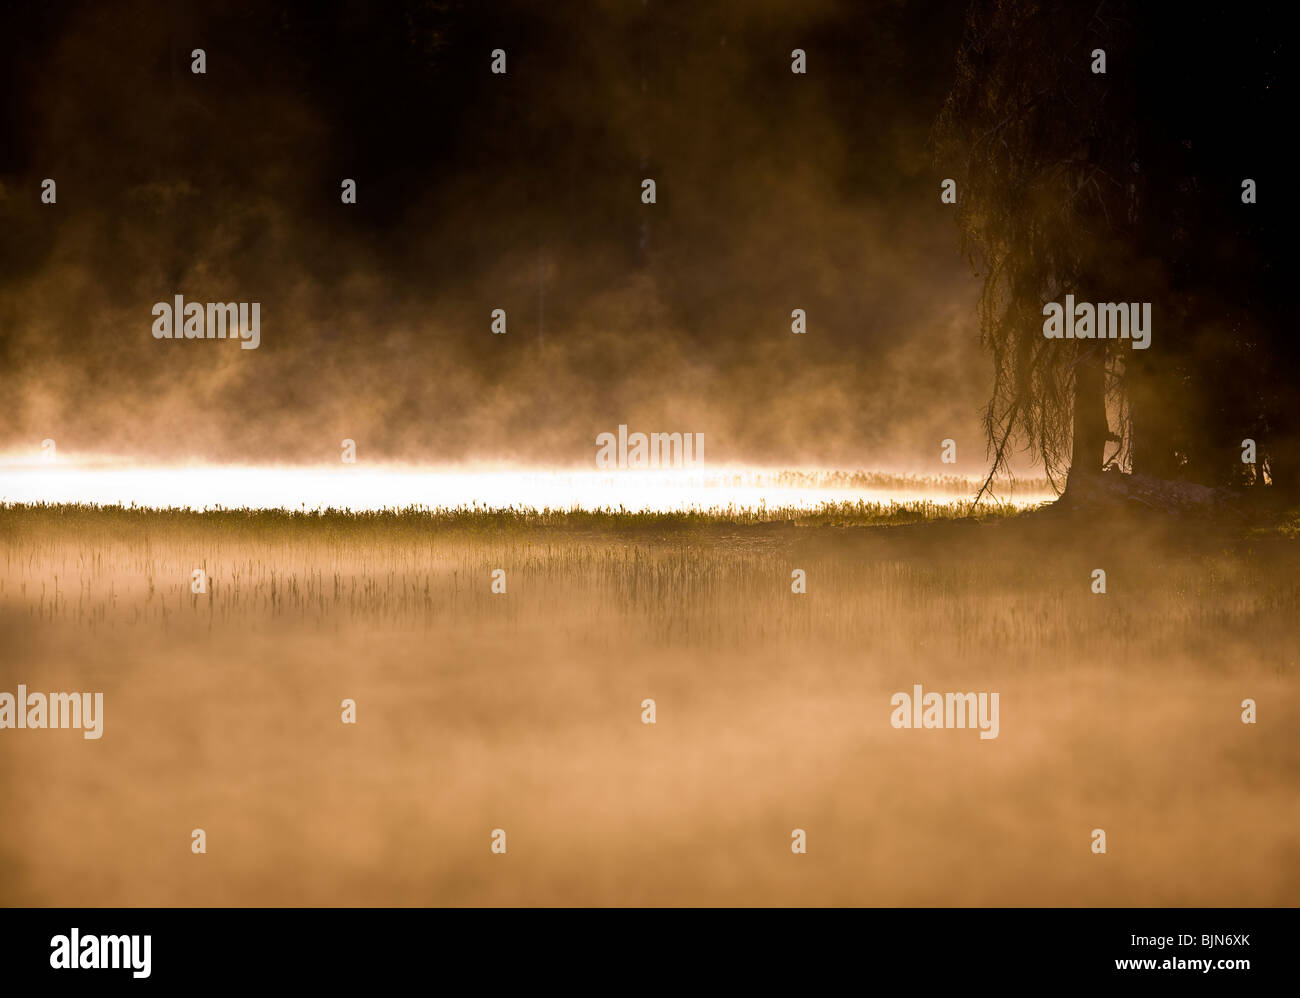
column 499, row 665
column 387, row 486
column 521, row 710
column 520, row 193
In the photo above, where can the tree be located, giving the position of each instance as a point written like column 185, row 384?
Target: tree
column 1041, row 147
column 1121, row 186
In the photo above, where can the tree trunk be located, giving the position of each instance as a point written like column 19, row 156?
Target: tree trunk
column 1284, row 465
column 1090, row 430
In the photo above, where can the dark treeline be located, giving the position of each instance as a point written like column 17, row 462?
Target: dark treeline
column 1127, row 186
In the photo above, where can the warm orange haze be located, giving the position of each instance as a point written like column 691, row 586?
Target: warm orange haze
column 737, row 453
column 523, row 710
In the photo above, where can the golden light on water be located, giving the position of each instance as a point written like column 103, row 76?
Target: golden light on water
column 370, row 487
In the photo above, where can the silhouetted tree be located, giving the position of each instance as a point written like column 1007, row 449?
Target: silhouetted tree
column 1123, row 186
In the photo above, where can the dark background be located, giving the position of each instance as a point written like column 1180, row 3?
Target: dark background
column 478, row 191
